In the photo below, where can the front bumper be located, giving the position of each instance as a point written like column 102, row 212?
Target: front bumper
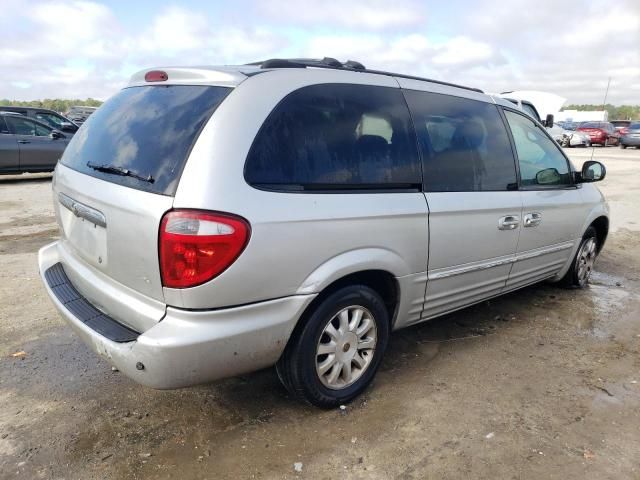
column 579, row 141
column 190, row 347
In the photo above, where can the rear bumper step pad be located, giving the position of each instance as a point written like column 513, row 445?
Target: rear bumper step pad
column 65, row 292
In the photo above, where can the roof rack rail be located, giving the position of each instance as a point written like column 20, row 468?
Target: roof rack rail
column 350, row 65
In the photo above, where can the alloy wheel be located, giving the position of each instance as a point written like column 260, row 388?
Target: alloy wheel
column 346, row 347
column 586, row 259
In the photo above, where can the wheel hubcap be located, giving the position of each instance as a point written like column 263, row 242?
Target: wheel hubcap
column 586, row 259
column 346, row 347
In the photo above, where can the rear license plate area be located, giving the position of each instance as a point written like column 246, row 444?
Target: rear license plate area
column 88, row 239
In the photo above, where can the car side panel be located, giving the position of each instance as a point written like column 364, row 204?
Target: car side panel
column 469, row 256
column 9, row 152
column 544, row 248
column 292, row 234
column 40, row 153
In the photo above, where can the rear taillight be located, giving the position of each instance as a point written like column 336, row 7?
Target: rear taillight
column 197, row 246
column 156, row 76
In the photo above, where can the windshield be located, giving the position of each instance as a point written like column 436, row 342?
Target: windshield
column 148, row 130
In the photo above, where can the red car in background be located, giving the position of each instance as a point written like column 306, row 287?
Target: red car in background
column 600, row 133
column 621, row 126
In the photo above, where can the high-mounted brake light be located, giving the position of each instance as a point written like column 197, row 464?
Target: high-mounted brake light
column 156, row 76
column 197, row 246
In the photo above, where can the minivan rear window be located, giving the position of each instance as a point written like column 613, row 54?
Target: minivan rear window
column 147, row 131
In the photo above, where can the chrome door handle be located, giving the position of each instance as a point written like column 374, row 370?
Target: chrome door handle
column 510, row 222
column 532, row 219
column 24, row 141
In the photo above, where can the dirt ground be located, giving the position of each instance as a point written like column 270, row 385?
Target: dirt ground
column 541, row 383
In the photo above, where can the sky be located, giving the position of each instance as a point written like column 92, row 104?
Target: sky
column 80, row 49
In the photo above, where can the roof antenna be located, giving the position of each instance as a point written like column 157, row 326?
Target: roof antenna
column 604, row 102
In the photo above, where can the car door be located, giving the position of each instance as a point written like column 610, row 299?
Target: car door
column 552, row 207
column 471, row 190
column 39, row 150
column 9, row 152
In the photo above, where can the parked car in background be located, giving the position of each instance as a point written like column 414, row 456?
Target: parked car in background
column 621, row 126
column 49, row 117
column 295, row 212
column 632, row 137
column 528, row 108
column 539, row 105
column 28, row 145
column 567, row 138
column 600, row 133
column 79, row 114
column 568, row 125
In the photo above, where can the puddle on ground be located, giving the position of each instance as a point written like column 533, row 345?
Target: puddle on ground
column 608, row 292
column 599, row 305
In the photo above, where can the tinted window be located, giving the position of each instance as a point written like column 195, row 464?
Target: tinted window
column 464, row 143
column 50, row 119
column 634, row 126
column 336, row 137
column 3, row 126
column 592, row 125
column 148, row 130
column 541, row 162
column 24, row 126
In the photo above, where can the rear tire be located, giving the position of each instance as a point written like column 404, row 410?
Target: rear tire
column 333, row 356
column 582, row 265
column 623, row 146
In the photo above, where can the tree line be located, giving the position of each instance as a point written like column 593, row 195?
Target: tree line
column 55, row 104
column 621, row 112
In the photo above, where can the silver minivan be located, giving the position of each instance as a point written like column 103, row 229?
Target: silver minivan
column 219, row 220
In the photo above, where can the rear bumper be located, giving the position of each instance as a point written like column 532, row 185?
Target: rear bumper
column 631, row 141
column 191, row 347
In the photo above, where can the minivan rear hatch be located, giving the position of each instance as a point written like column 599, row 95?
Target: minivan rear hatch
column 116, row 180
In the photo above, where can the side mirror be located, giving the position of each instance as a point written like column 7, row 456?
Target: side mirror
column 55, row 134
column 592, row 171
column 68, row 127
column 548, row 176
column 549, row 121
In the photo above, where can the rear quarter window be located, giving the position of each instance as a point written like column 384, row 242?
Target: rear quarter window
column 336, row 137
column 146, row 130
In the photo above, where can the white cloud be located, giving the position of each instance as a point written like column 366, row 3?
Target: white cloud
column 190, row 37
column 463, row 51
column 372, row 14
column 73, row 48
column 175, row 30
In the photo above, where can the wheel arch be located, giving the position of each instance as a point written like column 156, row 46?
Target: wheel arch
column 381, row 281
column 601, row 225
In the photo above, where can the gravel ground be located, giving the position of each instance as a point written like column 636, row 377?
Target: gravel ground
column 541, row 383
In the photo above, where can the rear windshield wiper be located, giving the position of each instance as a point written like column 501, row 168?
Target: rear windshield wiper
column 125, row 172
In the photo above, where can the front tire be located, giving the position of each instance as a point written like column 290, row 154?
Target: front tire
column 334, row 355
column 582, row 266
column 623, row 146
